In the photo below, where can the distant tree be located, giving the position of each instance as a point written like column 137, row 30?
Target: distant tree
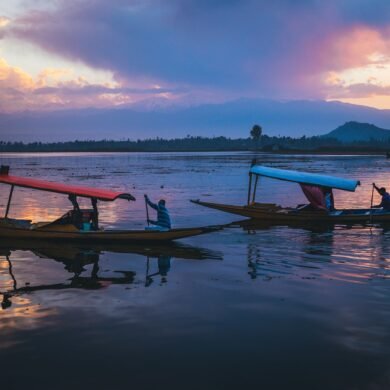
column 256, row 134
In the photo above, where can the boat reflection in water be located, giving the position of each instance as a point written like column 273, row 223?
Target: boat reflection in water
column 351, row 254
column 76, row 258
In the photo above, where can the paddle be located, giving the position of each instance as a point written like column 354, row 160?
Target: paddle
column 372, row 201
column 147, row 210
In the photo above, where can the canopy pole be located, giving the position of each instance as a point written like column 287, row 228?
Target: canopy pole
column 254, row 189
column 9, row 201
column 253, row 163
column 95, row 214
column 249, row 188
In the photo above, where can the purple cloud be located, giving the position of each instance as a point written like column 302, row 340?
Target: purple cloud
column 246, row 47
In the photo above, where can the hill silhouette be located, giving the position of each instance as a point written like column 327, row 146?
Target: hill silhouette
column 357, row 132
column 230, row 119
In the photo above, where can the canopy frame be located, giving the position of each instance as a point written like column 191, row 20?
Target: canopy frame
column 9, row 202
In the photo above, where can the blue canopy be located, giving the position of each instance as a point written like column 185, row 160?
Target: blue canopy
column 306, row 178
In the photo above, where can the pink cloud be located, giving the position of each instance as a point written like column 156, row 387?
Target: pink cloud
column 236, row 48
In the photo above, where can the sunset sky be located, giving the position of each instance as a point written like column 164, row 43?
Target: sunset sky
column 57, row 54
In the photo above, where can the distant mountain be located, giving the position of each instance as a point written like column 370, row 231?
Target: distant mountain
column 231, row 119
column 355, row 131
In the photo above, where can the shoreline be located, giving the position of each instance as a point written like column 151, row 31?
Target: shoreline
column 283, row 152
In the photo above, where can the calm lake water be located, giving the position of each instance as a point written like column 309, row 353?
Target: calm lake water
column 270, row 308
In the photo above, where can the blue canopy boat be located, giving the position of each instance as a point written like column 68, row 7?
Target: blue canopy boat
column 317, row 189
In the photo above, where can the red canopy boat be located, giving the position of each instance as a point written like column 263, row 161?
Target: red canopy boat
column 79, row 224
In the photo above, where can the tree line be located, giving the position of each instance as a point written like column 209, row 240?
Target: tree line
column 255, row 141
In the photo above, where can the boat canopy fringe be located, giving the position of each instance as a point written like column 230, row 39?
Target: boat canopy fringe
column 306, row 178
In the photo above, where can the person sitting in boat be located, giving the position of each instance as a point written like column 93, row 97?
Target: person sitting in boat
column 163, row 218
column 75, row 215
column 329, row 200
column 385, row 203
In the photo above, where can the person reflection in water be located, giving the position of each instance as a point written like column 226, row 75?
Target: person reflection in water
column 164, row 265
column 163, row 218
column 385, row 203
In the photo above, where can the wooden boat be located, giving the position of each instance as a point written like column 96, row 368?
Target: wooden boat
column 315, row 187
column 79, row 224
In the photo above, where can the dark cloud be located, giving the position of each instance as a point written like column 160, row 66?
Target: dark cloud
column 267, row 48
column 369, row 12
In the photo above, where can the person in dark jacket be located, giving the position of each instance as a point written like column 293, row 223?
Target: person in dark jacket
column 385, row 203
column 329, row 200
column 163, row 219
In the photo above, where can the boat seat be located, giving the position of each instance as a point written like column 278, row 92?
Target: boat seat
column 38, row 225
column 266, row 206
column 23, row 223
column 53, row 226
column 156, row 229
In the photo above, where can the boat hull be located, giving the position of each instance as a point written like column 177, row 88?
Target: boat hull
column 61, row 233
column 275, row 214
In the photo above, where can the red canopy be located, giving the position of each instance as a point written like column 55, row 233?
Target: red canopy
column 85, row 192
